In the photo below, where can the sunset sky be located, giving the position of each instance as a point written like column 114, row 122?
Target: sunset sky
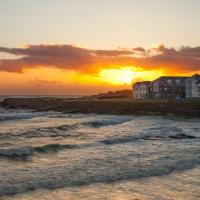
column 81, row 47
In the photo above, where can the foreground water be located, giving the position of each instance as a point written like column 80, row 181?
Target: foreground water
column 50, row 155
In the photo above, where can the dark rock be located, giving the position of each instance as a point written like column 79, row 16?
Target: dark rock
column 150, row 137
column 109, row 106
column 182, row 136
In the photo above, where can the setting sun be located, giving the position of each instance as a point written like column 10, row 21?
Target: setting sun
column 126, row 75
column 117, row 76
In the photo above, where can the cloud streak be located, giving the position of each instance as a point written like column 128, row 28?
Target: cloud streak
column 169, row 60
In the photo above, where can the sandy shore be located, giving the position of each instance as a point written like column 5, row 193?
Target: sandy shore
column 119, row 107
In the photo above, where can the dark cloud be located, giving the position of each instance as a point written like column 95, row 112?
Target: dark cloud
column 89, row 61
column 60, row 56
column 41, row 82
column 112, row 53
column 139, row 49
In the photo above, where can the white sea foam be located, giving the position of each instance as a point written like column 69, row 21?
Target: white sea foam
column 88, row 150
column 18, row 114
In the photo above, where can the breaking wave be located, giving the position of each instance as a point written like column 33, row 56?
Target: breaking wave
column 16, row 152
column 86, row 150
column 5, row 116
column 86, row 174
column 29, row 150
column 63, row 130
column 54, row 147
column 107, row 122
column 43, row 132
column 127, row 139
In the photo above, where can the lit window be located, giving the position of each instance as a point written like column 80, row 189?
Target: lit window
column 178, row 81
column 169, row 81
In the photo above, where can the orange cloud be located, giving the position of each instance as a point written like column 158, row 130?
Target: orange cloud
column 169, row 60
column 45, row 81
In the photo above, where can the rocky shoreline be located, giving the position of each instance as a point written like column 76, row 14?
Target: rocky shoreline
column 185, row 108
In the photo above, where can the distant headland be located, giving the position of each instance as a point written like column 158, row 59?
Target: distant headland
column 115, row 106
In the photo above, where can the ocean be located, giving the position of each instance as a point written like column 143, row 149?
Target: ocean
column 54, row 155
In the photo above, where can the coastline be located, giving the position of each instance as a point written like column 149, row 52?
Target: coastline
column 185, row 108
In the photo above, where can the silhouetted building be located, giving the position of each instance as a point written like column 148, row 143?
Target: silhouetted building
column 142, row 90
column 193, row 86
column 169, row 87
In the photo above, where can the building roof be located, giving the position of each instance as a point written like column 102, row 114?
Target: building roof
column 171, row 80
column 198, row 81
column 147, row 83
column 196, row 76
column 171, row 77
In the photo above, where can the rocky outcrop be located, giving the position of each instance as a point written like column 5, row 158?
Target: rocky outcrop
column 117, row 107
column 182, row 136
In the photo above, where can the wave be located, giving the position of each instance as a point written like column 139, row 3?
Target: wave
column 100, row 171
column 22, row 152
column 127, row 139
column 16, row 152
column 106, row 122
column 5, row 116
column 57, row 131
column 54, row 147
column 63, row 130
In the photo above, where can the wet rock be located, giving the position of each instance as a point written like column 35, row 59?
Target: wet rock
column 182, row 136
column 150, row 137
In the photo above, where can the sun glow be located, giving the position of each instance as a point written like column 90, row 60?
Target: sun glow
column 127, row 75
column 43, row 80
column 117, row 76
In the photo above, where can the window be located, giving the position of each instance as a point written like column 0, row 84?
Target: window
column 169, row 81
column 165, row 88
column 178, row 82
column 198, row 88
